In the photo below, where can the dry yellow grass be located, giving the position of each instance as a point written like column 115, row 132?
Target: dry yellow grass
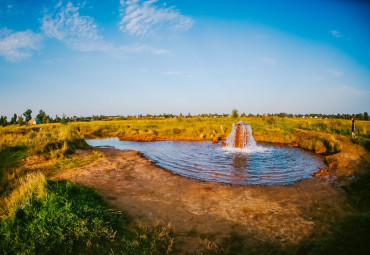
column 29, row 187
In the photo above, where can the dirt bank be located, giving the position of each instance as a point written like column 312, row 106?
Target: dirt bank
column 266, row 214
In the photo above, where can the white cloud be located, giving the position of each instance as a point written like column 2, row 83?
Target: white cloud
column 15, row 46
column 81, row 33
column 146, row 17
column 336, row 33
column 269, row 61
column 76, row 31
column 336, row 73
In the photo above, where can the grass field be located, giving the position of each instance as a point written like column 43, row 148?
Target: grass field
column 45, row 216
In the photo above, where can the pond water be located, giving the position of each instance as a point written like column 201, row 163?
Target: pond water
column 265, row 164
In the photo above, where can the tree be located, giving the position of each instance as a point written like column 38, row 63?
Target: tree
column 282, row 115
column 13, row 120
column 64, row 120
column 27, row 115
column 46, row 119
column 41, row 116
column 20, row 120
column 3, row 121
column 366, row 116
column 235, row 113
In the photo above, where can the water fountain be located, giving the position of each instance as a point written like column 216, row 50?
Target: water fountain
column 241, row 136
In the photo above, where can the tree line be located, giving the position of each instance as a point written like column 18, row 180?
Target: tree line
column 43, row 118
column 23, row 119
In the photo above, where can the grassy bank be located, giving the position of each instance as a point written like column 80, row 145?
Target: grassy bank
column 46, row 217
column 53, row 142
column 39, row 216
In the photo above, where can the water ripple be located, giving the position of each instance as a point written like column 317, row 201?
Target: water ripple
column 262, row 165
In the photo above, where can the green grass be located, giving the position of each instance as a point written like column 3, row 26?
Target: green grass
column 64, row 218
column 9, row 158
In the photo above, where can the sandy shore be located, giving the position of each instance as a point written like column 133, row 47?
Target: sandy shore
column 260, row 214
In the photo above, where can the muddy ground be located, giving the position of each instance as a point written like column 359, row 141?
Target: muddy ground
column 257, row 214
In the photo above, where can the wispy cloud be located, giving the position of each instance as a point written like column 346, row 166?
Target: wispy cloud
column 81, row 33
column 269, row 61
column 349, row 91
column 336, row 73
column 146, row 17
column 336, row 33
column 78, row 32
column 15, row 46
column 141, row 48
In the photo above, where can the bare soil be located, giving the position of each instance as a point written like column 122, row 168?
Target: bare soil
column 275, row 214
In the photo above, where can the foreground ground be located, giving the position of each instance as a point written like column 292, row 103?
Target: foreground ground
column 275, row 215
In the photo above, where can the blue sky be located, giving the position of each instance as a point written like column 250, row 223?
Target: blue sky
column 136, row 57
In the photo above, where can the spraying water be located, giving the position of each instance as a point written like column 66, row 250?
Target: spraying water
column 241, row 137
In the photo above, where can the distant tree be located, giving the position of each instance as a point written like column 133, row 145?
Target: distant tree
column 20, row 120
column 13, row 120
column 366, row 116
column 359, row 116
column 282, row 115
column 41, row 116
column 3, row 121
column 27, row 115
column 64, row 120
column 235, row 113
column 57, row 119
column 46, row 119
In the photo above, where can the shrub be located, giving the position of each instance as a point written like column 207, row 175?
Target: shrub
column 176, row 131
column 321, row 145
column 235, row 113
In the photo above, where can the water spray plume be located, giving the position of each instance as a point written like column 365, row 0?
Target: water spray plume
column 241, row 136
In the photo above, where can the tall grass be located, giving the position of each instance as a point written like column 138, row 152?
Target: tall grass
column 9, row 159
column 52, row 141
column 30, row 187
column 62, row 139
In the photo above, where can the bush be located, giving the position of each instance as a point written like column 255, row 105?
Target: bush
column 321, row 145
column 235, row 113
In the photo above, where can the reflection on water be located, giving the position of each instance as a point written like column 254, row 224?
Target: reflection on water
column 240, row 163
column 266, row 164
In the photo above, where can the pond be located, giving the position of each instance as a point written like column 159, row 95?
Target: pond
column 265, row 164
